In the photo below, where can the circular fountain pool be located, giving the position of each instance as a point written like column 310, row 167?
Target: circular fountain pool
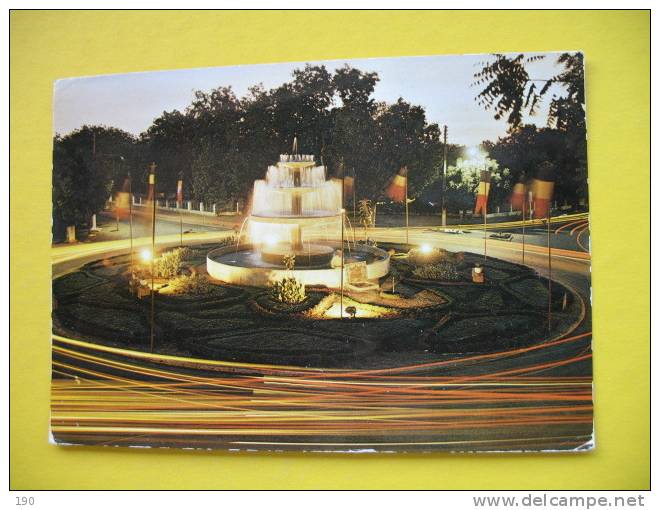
column 244, row 265
column 296, row 210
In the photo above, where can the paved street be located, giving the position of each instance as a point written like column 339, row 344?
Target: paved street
column 538, row 397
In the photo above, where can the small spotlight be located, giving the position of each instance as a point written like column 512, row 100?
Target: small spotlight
column 271, row 240
column 145, row 255
column 425, row 248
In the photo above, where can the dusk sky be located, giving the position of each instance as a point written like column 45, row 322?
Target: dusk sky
column 441, row 84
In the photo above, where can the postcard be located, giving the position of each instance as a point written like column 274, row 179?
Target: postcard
column 374, row 255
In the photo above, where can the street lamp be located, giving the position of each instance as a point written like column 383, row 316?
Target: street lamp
column 480, row 157
column 145, row 255
column 443, row 206
column 477, row 155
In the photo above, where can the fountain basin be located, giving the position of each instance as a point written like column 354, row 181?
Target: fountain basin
column 310, row 254
column 244, row 265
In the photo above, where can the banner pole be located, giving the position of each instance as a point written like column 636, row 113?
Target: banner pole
column 152, row 177
column 407, row 238
column 523, row 225
column 549, row 275
column 130, row 213
column 341, row 277
column 485, row 227
column 354, row 196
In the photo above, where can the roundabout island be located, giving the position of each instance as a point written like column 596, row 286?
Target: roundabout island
column 434, row 310
column 296, row 212
column 292, row 289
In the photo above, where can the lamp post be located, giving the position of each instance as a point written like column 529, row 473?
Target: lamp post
column 130, row 213
column 443, row 207
column 152, row 183
column 406, row 193
column 486, row 213
column 113, row 158
column 343, row 218
column 479, row 157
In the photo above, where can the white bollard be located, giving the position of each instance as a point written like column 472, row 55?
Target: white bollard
column 94, row 227
column 190, row 205
column 201, row 207
column 213, row 209
column 71, row 234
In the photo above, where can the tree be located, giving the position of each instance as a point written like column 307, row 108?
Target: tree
column 405, row 138
column 365, row 215
column 509, row 89
column 216, row 176
column 221, row 143
column 463, row 179
column 169, row 142
column 82, row 175
column 523, row 150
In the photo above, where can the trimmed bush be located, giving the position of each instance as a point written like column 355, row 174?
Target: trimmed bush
column 168, row 264
column 74, row 283
column 228, row 241
column 264, row 303
column 288, row 290
column 419, row 258
column 92, row 320
column 444, row 270
column 191, row 284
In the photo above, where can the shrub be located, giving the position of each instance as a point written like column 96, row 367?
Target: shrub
column 193, row 284
column 265, row 304
column 289, row 261
column 288, row 290
column 419, row 258
column 228, row 241
column 443, row 270
column 169, row 263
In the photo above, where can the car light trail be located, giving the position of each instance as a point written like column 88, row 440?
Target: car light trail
column 102, row 396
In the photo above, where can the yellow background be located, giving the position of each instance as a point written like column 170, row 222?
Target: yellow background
column 46, row 46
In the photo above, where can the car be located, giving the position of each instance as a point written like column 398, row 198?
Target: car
column 503, row 236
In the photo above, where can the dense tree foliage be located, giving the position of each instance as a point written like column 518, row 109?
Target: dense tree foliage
column 221, row 143
column 509, row 90
column 87, row 164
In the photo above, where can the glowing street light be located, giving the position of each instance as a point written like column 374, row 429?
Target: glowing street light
column 145, row 255
column 271, row 240
column 476, row 154
column 480, row 158
column 425, row 249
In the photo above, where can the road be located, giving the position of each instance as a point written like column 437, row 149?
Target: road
column 537, row 397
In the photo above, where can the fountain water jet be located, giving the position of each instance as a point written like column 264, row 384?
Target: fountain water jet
column 295, row 210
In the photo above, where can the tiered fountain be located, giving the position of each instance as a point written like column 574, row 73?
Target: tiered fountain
column 295, row 211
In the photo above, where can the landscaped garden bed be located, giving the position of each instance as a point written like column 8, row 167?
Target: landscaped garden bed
column 443, row 313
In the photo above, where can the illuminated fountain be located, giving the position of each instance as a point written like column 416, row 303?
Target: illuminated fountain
column 293, row 205
column 295, row 211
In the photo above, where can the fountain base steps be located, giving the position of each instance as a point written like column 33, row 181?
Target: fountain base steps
column 307, row 255
column 244, row 265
